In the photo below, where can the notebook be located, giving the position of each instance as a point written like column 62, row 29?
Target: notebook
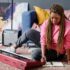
column 56, row 64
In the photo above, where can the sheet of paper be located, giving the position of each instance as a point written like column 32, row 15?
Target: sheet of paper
column 57, row 64
column 48, row 63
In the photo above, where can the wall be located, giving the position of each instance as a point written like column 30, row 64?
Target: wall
column 43, row 3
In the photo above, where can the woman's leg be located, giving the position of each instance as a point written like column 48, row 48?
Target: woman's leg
column 51, row 55
column 61, row 57
column 32, row 35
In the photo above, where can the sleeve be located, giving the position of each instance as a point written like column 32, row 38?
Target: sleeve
column 67, row 40
column 43, row 34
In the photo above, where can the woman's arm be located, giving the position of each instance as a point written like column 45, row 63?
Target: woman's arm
column 43, row 50
column 43, row 58
column 68, row 55
column 67, row 45
column 43, row 41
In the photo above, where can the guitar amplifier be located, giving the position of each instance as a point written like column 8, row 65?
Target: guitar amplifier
column 9, row 37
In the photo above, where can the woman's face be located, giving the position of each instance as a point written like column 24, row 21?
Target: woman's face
column 55, row 18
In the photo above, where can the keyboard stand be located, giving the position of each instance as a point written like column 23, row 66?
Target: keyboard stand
column 18, row 61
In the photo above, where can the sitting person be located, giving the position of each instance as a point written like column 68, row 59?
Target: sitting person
column 32, row 34
column 55, row 35
column 54, row 41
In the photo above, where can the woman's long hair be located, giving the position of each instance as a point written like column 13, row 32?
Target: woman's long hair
column 60, row 11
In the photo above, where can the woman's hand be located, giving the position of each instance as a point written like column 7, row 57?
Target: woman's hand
column 43, row 59
column 68, row 62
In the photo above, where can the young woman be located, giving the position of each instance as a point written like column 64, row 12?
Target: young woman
column 54, row 41
column 55, row 35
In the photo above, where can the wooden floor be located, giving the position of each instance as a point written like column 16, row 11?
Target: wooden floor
column 8, row 67
column 4, row 66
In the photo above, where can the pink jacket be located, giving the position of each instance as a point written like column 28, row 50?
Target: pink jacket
column 55, row 34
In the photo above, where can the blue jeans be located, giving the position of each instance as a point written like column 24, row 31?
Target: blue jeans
column 32, row 35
